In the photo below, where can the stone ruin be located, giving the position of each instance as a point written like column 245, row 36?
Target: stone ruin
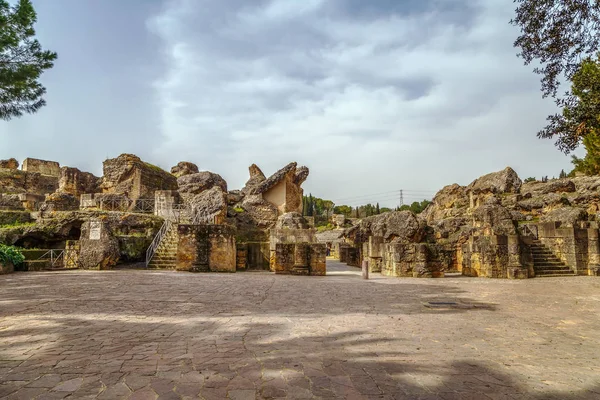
column 185, row 220
column 189, row 220
column 496, row 227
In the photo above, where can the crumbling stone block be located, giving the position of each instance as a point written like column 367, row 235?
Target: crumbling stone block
column 42, row 167
column 11, row 163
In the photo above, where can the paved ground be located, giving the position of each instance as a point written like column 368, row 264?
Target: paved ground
column 141, row 335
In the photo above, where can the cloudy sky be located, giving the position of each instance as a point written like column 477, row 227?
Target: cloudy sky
column 373, row 96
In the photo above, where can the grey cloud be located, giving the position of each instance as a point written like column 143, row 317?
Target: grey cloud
column 412, row 94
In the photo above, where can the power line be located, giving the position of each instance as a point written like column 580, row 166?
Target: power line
column 394, row 193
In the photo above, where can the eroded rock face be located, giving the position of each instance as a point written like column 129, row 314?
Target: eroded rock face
column 567, row 216
column 505, row 181
column 262, row 213
column 494, row 219
column 184, row 168
column 76, row 182
column 197, row 183
column 210, row 204
column 129, row 175
column 256, row 178
column 98, row 246
column 11, row 163
column 452, row 201
column 292, row 220
column 15, row 181
column 398, row 226
column 60, row 201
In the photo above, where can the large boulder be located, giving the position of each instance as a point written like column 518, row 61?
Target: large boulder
column 197, row 183
column 397, row 226
column 292, row 220
column 209, row 206
column 495, row 219
column 505, row 181
column 567, row 216
column 262, row 213
column 184, row 168
column 98, row 247
column 450, row 202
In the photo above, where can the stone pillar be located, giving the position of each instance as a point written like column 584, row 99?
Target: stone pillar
column 164, row 200
column 375, row 253
column 87, row 201
column 71, row 256
column 240, row 257
column 365, row 269
column 516, row 270
column 318, row 259
column 301, row 255
column 593, row 252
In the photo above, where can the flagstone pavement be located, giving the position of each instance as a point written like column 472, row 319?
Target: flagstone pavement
column 136, row 334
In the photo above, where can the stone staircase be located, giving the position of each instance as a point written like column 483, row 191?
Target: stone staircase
column 165, row 256
column 546, row 264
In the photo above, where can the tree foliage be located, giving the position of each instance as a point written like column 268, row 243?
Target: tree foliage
column 558, row 34
column 416, row 207
column 590, row 164
column 22, row 61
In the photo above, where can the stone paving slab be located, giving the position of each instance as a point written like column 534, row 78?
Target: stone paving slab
column 166, row 335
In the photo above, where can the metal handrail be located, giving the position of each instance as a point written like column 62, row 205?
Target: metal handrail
column 56, row 256
column 157, row 240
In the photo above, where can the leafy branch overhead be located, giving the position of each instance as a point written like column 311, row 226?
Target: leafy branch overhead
column 22, row 61
column 558, row 35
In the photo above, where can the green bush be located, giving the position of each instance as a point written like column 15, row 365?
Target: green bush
column 11, row 254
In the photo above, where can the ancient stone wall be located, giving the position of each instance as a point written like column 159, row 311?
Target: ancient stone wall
column 128, row 174
column 288, row 257
column 288, row 235
column 416, row 260
column 206, row 248
column 494, row 256
column 13, row 181
column 576, row 247
column 43, row 167
column 75, row 182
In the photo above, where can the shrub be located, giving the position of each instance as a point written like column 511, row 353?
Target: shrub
column 11, row 254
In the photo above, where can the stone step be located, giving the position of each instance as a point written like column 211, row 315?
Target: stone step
column 547, row 261
column 541, row 251
column 162, row 266
column 551, row 268
column 543, row 274
column 164, row 259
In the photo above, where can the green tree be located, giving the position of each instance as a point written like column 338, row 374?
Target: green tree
column 377, row 210
column 580, row 114
column 530, row 179
column 562, row 174
column 590, row 164
column 558, row 35
column 416, row 207
column 22, row 61
column 343, row 209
